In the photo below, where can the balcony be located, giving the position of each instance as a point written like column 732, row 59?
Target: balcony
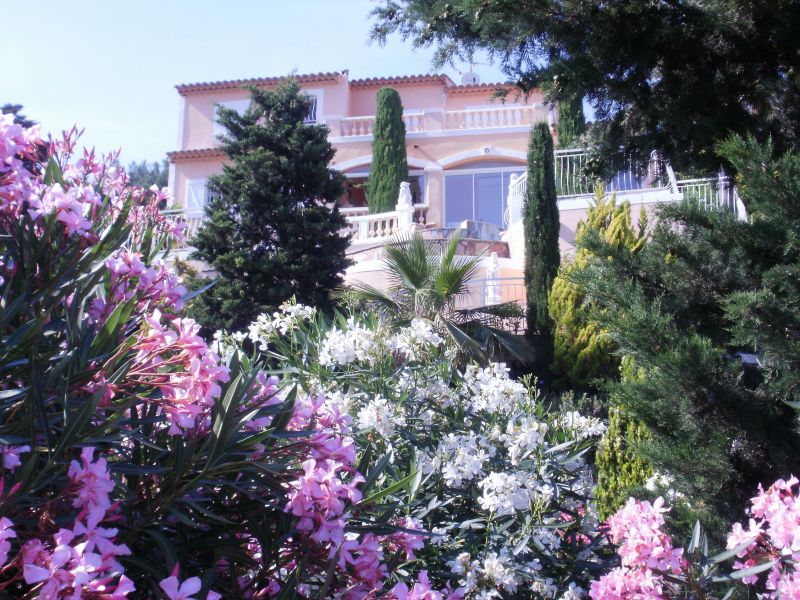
column 445, row 122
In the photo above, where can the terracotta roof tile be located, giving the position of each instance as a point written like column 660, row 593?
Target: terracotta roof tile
column 191, row 154
column 403, row 79
column 479, row 87
column 209, row 86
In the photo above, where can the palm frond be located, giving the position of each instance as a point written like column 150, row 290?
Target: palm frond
column 376, row 298
column 409, row 262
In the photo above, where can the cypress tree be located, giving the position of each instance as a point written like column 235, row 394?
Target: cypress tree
column 389, row 163
column 583, row 352
column 571, row 121
column 541, row 225
column 269, row 233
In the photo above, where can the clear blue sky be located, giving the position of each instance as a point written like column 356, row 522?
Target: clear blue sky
column 111, row 66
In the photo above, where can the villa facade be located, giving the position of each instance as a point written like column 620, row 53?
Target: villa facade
column 466, row 152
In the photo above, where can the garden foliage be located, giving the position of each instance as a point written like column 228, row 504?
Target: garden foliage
column 706, row 312
column 136, row 462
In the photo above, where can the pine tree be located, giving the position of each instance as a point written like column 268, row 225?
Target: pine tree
column 389, row 163
column 269, row 233
column 541, row 225
column 705, row 287
column 571, row 121
column 583, row 352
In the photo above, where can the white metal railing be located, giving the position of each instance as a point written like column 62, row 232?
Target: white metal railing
column 494, row 290
column 713, row 193
column 572, row 179
column 515, row 203
column 657, row 180
column 494, row 117
column 192, row 219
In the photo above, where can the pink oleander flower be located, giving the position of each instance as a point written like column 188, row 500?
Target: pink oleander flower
column 175, row 590
column 628, row 584
column 421, row 590
column 6, row 533
column 773, row 534
column 94, row 480
column 11, row 456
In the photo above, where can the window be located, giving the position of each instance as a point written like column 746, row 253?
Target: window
column 238, row 105
column 312, row 112
column 315, row 113
column 197, row 196
column 477, row 195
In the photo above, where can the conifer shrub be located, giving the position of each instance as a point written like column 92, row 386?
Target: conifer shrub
column 272, row 231
column 583, row 352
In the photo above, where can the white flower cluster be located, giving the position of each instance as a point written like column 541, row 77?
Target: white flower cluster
column 507, row 492
column 460, row 458
column 485, row 579
column 286, row 319
column 493, row 390
column 582, row 427
column 522, row 436
column 380, row 415
column 355, row 344
column 661, row 483
column 224, row 345
column 414, row 342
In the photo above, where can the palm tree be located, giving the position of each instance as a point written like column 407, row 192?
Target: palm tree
column 427, row 282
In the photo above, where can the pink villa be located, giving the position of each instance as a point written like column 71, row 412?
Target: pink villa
column 466, row 157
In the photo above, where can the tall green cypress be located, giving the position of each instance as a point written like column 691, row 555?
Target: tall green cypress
column 571, row 121
column 389, row 163
column 541, row 225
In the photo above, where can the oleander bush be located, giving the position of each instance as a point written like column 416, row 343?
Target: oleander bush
column 136, row 462
column 501, row 486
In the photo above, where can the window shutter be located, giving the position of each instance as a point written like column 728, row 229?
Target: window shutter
column 195, row 196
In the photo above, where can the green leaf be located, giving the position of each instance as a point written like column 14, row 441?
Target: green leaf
column 398, row 485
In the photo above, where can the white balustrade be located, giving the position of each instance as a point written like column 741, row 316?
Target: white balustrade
column 414, row 122
column 354, row 126
column 494, row 117
column 471, row 119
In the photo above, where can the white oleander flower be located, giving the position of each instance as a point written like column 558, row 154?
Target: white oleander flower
column 523, row 436
column 381, row 416
column 415, row 341
column 492, row 390
column 507, row 492
column 582, row 427
column 355, row 344
column 460, row 458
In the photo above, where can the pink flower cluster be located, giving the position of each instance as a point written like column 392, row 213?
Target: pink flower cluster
column 151, row 286
column 646, row 553
column 83, row 559
column 773, row 534
column 177, row 360
column 320, row 499
column 17, row 184
column 422, row 590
